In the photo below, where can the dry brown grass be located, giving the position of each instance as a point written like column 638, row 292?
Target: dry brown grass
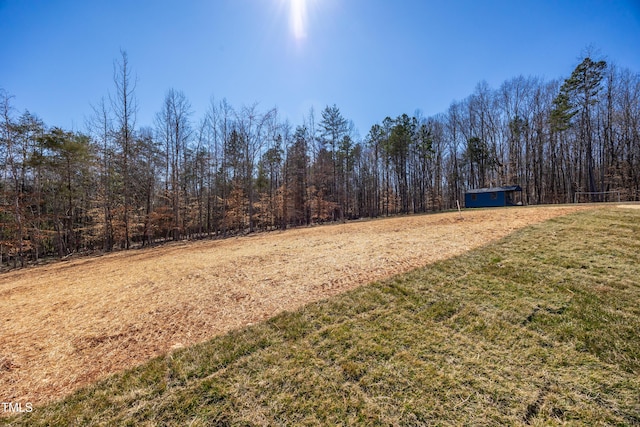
column 69, row 324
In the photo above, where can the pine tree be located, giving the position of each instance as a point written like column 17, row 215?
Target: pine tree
column 578, row 94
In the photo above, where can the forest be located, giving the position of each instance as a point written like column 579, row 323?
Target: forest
column 243, row 169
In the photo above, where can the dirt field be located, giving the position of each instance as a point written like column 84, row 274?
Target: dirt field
column 66, row 325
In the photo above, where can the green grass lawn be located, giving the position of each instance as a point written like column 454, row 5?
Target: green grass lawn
column 540, row 328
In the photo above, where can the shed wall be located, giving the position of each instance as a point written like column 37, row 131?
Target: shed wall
column 485, row 200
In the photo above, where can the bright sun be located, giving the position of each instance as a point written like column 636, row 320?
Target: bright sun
column 298, row 18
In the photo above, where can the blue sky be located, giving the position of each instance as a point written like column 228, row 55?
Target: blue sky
column 372, row 58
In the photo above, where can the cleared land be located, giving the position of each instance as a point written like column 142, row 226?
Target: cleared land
column 538, row 328
column 69, row 324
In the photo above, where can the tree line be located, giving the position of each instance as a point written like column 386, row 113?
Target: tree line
column 238, row 170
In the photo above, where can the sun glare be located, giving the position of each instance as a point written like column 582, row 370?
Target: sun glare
column 298, row 18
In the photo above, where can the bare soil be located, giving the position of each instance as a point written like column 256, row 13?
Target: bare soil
column 69, row 324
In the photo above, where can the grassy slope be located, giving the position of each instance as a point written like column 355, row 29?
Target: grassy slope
column 539, row 328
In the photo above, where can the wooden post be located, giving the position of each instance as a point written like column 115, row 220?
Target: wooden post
column 459, row 211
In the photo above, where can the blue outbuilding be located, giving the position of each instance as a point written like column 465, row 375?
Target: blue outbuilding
column 492, row 197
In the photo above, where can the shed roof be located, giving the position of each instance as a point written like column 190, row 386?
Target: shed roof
column 495, row 189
